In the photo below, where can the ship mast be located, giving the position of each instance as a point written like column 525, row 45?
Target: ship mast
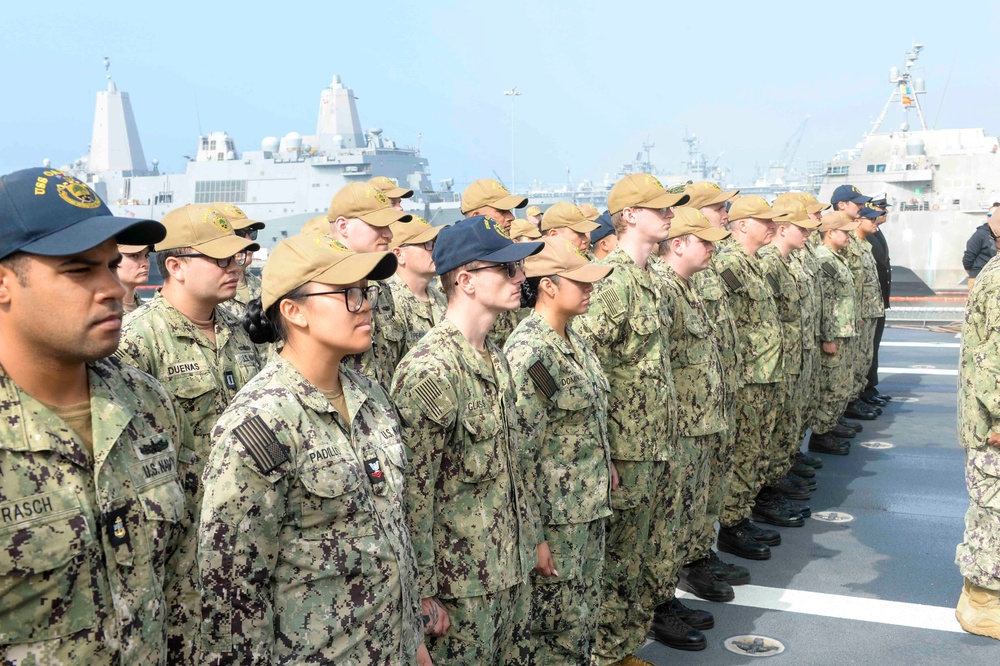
column 906, row 89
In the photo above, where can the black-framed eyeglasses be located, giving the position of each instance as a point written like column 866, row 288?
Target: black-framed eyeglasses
column 354, row 297
column 512, row 267
column 427, row 245
column 240, row 258
column 250, row 234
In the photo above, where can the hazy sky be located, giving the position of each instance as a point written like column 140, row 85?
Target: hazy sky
column 598, row 78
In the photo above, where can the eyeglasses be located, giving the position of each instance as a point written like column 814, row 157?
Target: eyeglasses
column 512, row 267
column 240, row 258
column 250, row 234
column 355, row 296
column 427, row 245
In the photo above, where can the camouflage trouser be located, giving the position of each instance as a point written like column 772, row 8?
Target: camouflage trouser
column 756, row 418
column 865, row 354
column 633, row 541
column 182, row 585
column 835, row 388
column 978, row 556
column 565, row 608
column 698, row 540
column 690, row 500
column 813, row 370
column 788, row 432
column 492, row 629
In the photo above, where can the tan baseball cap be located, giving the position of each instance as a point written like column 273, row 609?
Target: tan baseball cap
column 641, row 190
column 751, row 205
column 414, row 232
column 132, row 249
column 236, row 217
column 562, row 258
column 488, row 192
column 315, row 258
column 317, row 225
column 590, row 211
column 367, row 203
column 812, row 204
column 838, row 220
column 532, row 211
column 565, row 214
column 688, row 220
column 204, row 228
column 706, row 193
column 519, row 228
column 390, row 187
column 793, row 211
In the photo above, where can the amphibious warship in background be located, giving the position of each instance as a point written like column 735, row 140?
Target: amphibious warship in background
column 940, row 184
column 286, row 182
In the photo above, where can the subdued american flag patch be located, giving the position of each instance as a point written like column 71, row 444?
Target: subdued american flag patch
column 611, row 302
column 428, row 393
column 729, row 277
column 261, row 443
column 830, row 269
column 773, row 281
column 542, row 380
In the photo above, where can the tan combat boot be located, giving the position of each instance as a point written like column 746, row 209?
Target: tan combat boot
column 979, row 610
column 633, row 660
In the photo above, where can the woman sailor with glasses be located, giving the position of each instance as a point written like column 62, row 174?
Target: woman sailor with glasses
column 304, row 552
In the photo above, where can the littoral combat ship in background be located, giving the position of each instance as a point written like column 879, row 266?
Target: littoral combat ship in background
column 286, row 182
column 940, row 184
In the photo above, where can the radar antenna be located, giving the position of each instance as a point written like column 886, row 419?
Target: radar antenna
column 107, row 64
column 906, row 89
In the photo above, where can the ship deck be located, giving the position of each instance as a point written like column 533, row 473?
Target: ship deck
column 882, row 588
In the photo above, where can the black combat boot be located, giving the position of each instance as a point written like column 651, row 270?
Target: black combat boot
column 765, row 536
column 698, row 579
column 827, row 443
column 737, row 541
column 672, row 632
column 806, row 459
column 767, row 509
column 790, row 490
column 859, row 410
column 696, row 619
column 803, row 470
column 795, row 507
column 843, row 431
column 808, row 485
column 733, row 574
column 850, row 424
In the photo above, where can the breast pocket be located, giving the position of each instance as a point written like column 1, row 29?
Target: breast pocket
column 481, row 448
column 48, row 558
column 698, row 342
column 575, row 401
column 192, row 392
column 642, row 327
column 335, row 501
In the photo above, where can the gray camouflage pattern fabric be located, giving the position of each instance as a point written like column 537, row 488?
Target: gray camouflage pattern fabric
column 413, row 316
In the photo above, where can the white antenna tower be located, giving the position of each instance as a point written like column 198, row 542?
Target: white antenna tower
column 906, row 89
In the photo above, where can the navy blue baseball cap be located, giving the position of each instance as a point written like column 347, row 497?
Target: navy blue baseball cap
column 606, row 229
column 478, row 238
column 49, row 212
column 871, row 212
column 848, row 193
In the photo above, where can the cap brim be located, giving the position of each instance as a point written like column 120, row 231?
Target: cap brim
column 422, row 237
column 713, row 234
column 509, row 202
column 385, row 216
column 722, row 197
column 860, row 199
column 247, row 224
column 665, row 200
column 817, row 207
column 93, row 231
column 398, row 193
column 588, row 273
column 226, row 246
column 584, row 227
column 132, row 249
column 360, row 266
column 514, row 252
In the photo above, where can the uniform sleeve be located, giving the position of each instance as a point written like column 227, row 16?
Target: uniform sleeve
column 603, row 326
column 532, row 417
column 982, row 335
column 426, row 405
column 972, row 248
column 132, row 349
column 241, row 517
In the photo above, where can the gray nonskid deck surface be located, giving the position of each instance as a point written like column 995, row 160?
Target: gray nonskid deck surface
column 908, row 505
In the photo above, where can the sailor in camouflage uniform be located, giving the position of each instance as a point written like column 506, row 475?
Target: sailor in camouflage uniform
column 360, row 216
column 627, row 325
column 133, row 271
column 488, row 197
column 978, row 556
column 603, row 239
column 791, row 285
column 391, row 189
column 711, row 201
column 870, row 305
column 562, row 399
column 702, row 422
column 90, row 502
column 837, row 326
column 418, row 304
column 304, row 552
column 761, row 369
column 249, row 285
column 474, row 532
column 202, row 355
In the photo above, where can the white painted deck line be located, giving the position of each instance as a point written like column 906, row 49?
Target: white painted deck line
column 925, row 345
column 945, row 372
